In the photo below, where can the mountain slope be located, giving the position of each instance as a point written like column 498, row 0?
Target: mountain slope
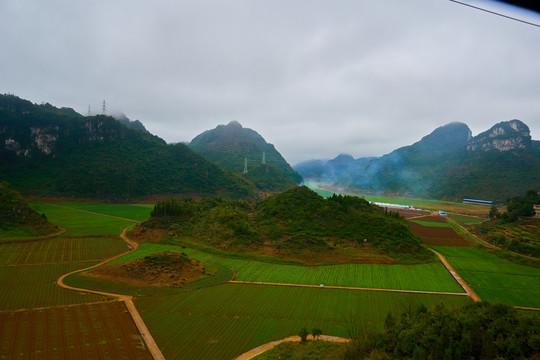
column 497, row 164
column 233, row 147
column 45, row 150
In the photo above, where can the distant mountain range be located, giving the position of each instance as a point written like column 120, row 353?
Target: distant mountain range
column 497, row 164
column 49, row 151
column 243, row 151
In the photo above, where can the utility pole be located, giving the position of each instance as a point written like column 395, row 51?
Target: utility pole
column 88, row 109
column 245, row 165
column 103, row 109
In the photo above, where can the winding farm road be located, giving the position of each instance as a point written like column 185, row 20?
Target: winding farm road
column 145, row 333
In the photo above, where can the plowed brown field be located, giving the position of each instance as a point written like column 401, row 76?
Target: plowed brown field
column 438, row 236
column 88, row 331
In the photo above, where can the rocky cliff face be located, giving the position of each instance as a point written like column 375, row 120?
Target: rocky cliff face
column 504, row 136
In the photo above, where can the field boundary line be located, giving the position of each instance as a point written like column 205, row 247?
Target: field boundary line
column 350, row 288
column 265, row 347
column 91, row 212
column 468, row 289
column 126, row 299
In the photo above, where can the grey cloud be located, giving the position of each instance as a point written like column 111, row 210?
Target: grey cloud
column 315, row 78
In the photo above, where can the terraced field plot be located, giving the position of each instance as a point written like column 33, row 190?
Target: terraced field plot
column 495, row 279
column 137, row 212
column 97, row 331
column 221, row 322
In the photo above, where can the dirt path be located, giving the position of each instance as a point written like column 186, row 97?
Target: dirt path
column 350, row 288
column 90, row 212
column 265, row 347
column 145, row 333
column 469, row 290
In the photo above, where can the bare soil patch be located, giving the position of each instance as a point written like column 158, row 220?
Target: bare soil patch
column 438, row 236
column 167, row 269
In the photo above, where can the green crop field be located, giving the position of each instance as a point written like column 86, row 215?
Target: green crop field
column 132, row 212
column 495, row 279
column 466, row 220
column 61, row 249
column 79, row 223
column 223, row 321
column 423, row 277
column 430, row 223
column 35, row 286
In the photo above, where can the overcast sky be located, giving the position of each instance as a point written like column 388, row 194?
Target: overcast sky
column 315, row 78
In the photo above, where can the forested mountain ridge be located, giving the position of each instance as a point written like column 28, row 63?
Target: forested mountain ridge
column 50, row 151
column 497, row 164
column 234, row 147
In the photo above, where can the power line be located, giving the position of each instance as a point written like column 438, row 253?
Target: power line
column 495, row 13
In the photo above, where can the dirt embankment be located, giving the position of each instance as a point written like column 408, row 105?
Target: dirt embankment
column 168, row 269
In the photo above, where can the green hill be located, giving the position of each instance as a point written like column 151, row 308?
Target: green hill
column 50, row 151
column 295, row 223
column 17, row 219
column 234, row 148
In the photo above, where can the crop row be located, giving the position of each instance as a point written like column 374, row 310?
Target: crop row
column 60, row 249
column 223, row 321
column 35, row 286
column 495, row 279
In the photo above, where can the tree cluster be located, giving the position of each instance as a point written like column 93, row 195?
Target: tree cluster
column 476, row 331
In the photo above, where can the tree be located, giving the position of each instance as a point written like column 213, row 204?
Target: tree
column 303, row 334
column 316, row 332
column 494, row 212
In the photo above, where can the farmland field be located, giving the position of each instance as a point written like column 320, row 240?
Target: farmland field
column 438, row 236
column 423, row 277
column 96, row 331
column 495, row 279
column 60, row 249
column 35, row 286
column 223, row 321
column 79, row 223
